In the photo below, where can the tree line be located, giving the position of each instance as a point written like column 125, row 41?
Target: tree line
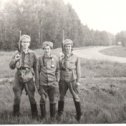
column 46, row 20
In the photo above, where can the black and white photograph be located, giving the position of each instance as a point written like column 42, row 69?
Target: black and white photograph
column 62, row 61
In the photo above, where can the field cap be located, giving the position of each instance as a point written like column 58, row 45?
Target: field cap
column 26, row 38
column 67, row 42
column 47, row 43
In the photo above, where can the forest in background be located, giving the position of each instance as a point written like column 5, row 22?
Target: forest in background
column 45, row 20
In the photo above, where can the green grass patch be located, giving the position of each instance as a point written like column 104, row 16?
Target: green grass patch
column 118, row 51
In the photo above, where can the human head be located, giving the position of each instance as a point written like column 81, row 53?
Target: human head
column 25, row 41
column 47, row 46
column 67, row 46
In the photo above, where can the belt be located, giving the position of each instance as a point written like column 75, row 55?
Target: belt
column 64, row 69
column 24, row 68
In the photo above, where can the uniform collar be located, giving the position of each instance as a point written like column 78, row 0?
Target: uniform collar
column 48, row 57
column 67, row 56
column 26, row 52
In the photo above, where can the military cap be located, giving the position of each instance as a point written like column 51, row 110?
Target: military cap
column 25, row 37
column 67, row 42
column 47, row 43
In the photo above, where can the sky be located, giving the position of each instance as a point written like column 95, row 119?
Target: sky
column 108, row 15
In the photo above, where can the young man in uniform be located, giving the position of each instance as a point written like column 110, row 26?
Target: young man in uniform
column 24, row 60
column 48, row 68
column 70, row 74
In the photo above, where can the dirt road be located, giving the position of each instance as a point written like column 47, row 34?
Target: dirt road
column 94, row 53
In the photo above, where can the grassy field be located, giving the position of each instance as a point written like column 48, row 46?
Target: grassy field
column 115, row 51
column 102, row 93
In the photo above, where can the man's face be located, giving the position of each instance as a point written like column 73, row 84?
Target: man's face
column 68, row 49
column 25, row 44
column 47, row 50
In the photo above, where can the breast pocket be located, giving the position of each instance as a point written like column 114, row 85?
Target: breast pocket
column 72, row 65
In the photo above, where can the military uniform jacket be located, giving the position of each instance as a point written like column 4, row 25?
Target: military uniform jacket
column 48, row 70
column 69, row 68
column 28, row 60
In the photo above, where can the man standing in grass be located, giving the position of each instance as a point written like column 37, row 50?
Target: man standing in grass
column 24, row 60
column 69, row 78
column 48, row 68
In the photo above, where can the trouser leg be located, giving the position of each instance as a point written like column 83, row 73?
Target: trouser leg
column 31, row 91
column 63, row 87
column 74, row 90
column 43, row 90
column 17, row 89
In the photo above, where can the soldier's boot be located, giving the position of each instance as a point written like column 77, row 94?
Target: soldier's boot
column 78, row 110
column 34, row 110
column 52, row 111
column 43, row 110
column 16, row 109
column 60, row 109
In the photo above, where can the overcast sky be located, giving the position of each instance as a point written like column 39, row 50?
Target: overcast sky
column 109, row 15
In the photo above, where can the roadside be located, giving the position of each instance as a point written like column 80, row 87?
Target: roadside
column 119, row 51
column 94, row 53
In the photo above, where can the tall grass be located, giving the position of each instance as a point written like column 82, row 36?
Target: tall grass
column 102, row 101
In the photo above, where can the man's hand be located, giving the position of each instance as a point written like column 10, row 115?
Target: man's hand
column 42, row 93
column 17, row 57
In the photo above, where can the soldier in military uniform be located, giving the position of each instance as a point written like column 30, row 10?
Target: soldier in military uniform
column 24, row 60
column 48, row 68
column 69, row 65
